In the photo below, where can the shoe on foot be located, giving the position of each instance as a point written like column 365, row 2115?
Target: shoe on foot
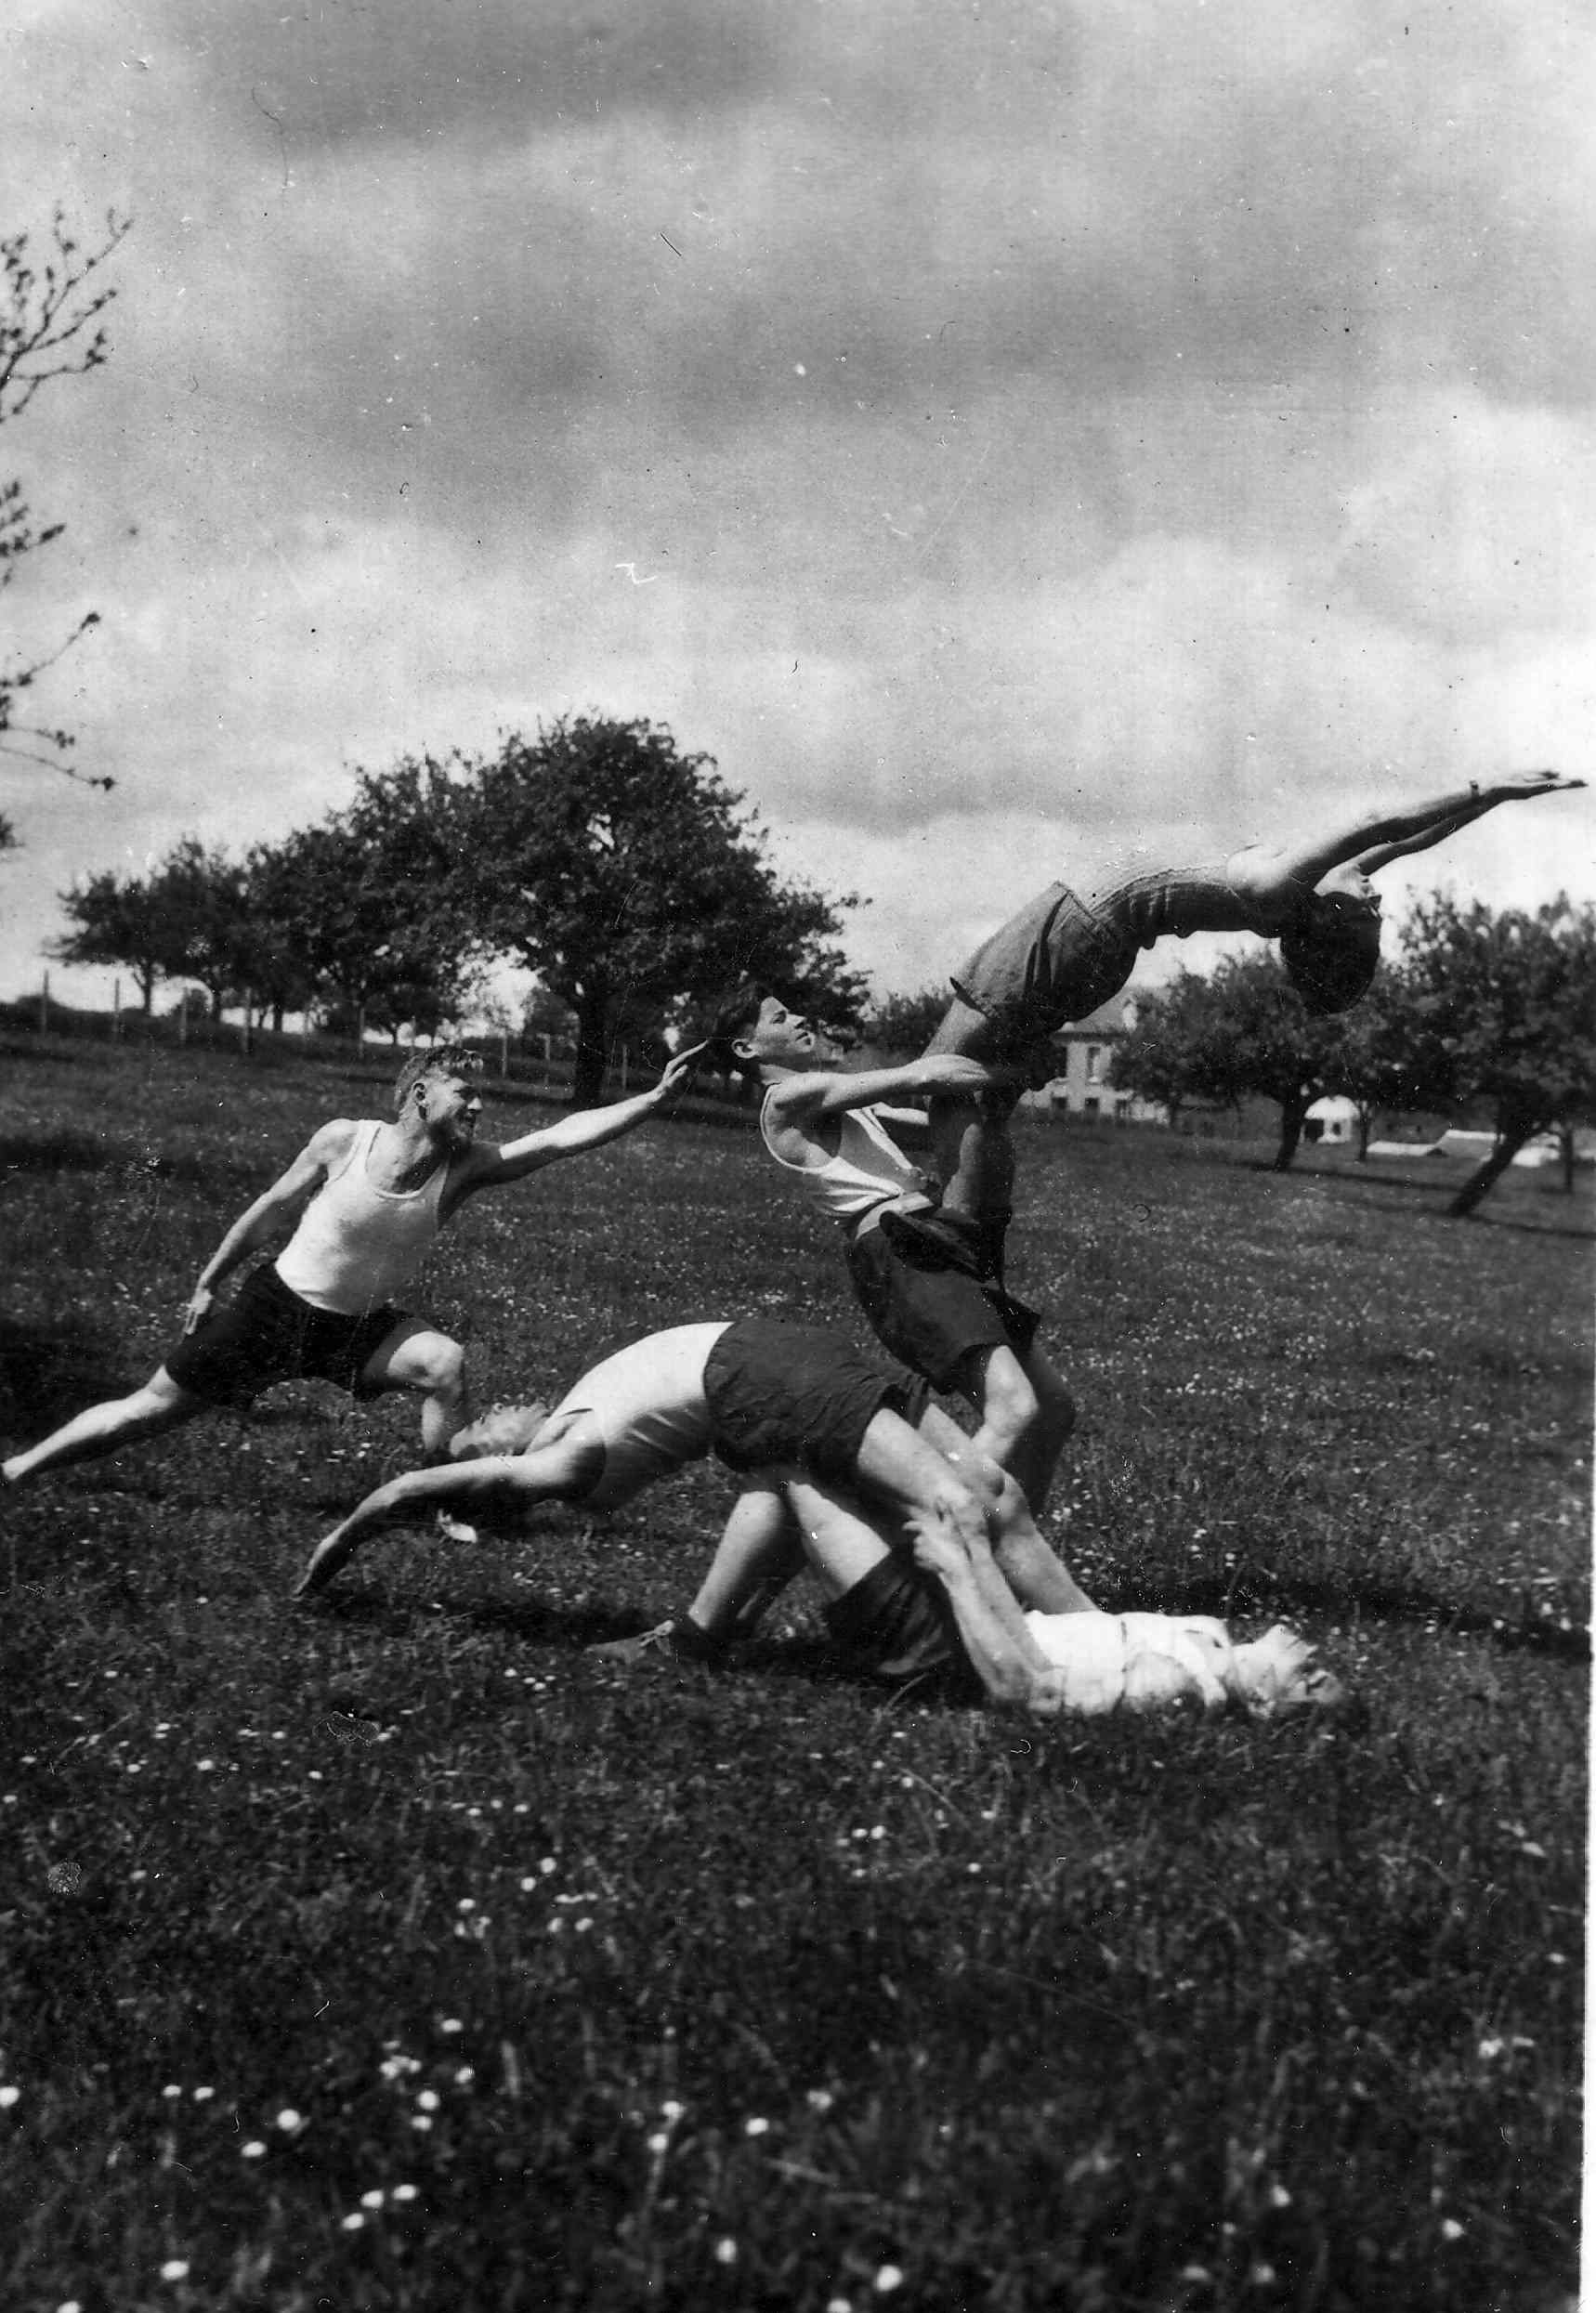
column 456, row 1529
column 674, row 1641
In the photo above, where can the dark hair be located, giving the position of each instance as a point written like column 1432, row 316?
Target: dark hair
column 1331, row 958
column 733, row 1019
column 437, row 1060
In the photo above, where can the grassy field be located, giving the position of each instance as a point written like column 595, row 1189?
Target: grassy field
column 389, row 1953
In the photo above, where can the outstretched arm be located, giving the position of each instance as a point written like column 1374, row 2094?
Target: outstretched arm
column 591, row 1128
column 806, row 1098
column 496, row 1486
column 1374, row 843
column 270, row 1213
column 1006, row 1657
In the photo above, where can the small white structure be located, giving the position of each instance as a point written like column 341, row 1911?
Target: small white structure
column 1331, row 1120
column 1477, row 1146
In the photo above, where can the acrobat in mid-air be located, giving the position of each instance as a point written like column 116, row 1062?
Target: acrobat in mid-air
column 1064, row 954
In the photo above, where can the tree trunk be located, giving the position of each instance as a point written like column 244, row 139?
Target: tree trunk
column 587, row 1075
column 1364, row 1133
column 1565, row 1156
column 1509, row 1140
column 1293, row 1113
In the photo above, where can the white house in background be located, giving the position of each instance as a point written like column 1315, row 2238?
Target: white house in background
column 1332, row 1121
column 1082, row 1086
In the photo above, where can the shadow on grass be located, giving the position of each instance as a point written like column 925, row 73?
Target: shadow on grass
column 541, row 1622
column 48, row 1373
column 1375, row 1602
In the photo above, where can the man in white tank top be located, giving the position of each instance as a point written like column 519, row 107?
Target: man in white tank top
column 368, row 1196
column 936, row 1298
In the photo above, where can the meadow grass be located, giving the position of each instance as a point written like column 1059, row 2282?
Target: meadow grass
column 392, row 1954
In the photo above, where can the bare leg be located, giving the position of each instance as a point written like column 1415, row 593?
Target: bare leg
column 159, row 1405
column 427, row 1363
column 1034, row 1570
column 1026, row 1414
column 757, row 1556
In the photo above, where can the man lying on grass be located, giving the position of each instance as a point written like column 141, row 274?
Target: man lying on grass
column 760, row 1393
column 369, row 1198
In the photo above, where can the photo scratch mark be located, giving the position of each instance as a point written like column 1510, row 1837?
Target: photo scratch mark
column 631, row 570
column 282, row 133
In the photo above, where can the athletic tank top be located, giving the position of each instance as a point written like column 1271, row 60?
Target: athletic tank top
column 649, row 1405
column 1169, row 903
column 868, row 1170
column 358, row 1246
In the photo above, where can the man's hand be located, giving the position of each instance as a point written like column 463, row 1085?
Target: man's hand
column 678, row 1071
column 201, row 1302
column 938, row 1547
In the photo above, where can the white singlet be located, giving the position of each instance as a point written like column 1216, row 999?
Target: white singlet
column 1143, row 1662
column 358, row 1246
column 648, row 1402
column 868, row 1170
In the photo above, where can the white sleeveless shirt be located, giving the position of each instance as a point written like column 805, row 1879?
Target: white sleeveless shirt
column 868, row 1170
column 357, row 1245
column 650, row 1403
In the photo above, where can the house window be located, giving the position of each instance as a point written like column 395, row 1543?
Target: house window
column 1091, row 1104
column 1095, row 1064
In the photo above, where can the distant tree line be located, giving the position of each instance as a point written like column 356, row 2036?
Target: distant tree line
column 622, row 872
column 1479, row 1009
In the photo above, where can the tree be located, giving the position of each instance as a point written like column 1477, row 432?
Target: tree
column 1504, row 1011
column 1370, row 1061
column 119, row 920
column 49, row 328
column 622, row 874
column 1162, row 1054
column 1244, row 1031
column 907, row 1024
column 367, row 903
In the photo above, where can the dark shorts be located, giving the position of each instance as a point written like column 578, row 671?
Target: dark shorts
column 897, row 1625
column 1053, row 962
column 929, row 1285
column 266, row 1334
column 780, row 1391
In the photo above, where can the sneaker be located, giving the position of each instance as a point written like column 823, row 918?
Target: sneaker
column 455, row 1529
column 672, row 1642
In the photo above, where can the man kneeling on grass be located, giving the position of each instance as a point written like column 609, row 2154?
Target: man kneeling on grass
column 761, row 1393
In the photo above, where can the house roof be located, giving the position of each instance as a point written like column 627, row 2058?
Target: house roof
column 1110, row 1019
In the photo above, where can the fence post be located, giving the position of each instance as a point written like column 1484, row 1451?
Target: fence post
column 183, row 1016
column 115, row 1008
column 45, row 1005
column 503, row 1052
column 247, row 1036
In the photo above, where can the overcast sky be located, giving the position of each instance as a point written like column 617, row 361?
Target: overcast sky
column 995, row 432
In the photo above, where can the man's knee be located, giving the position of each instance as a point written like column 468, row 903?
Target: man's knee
column 431, row 1365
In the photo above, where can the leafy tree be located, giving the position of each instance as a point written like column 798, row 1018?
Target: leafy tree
column 366, row 903
column 1504, row 1011
column 1244, row 1031
column 119, row 920
column 1162, row 1055
column 205, row 897
column 907, row 1024
column 1370, row 1061
column 49, row 328
column 622, row 873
